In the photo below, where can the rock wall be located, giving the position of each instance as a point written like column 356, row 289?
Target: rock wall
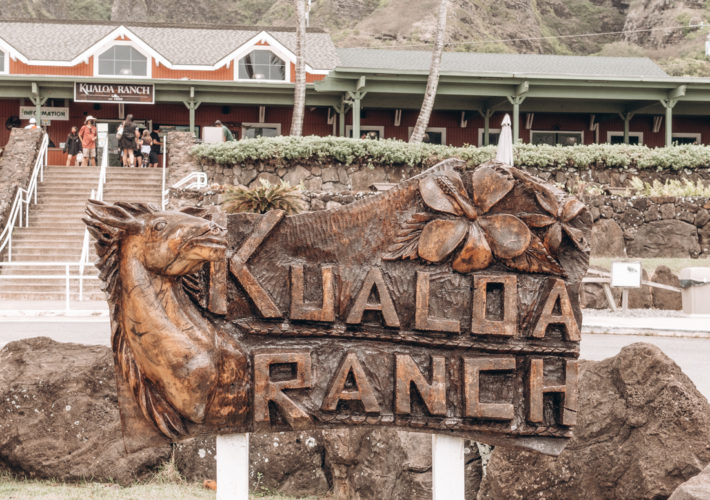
column 650, row 227
column 16, row 164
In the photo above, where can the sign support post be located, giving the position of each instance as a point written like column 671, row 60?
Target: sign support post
column 233, row 466
column 447, row 467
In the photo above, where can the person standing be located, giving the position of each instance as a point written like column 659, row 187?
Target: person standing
column 155, row 146
column 88, row 135
column 137, row 151
column 72, row 147
column 226, row 133
column 32, row 124
column 145, row 148
column 127, row 142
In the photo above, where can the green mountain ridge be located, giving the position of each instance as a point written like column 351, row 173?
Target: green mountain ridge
column 525, row 26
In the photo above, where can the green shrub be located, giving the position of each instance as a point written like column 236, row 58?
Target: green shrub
column 397, row 153
column 261, row 199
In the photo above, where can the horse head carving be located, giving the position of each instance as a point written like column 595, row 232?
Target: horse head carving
column 177, row 362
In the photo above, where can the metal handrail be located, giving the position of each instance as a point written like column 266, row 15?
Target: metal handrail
column 24, row 196
column 97, row 194
column 164, row 192
column 194, row 180
column 67, row 276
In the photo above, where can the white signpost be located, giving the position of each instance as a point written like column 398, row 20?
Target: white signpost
column 625, row 275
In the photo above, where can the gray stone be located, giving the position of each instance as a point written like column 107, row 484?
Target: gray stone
column 695, row 488
column 607, row 239
column 702, row 217
column 666, row 299
column 16, row 163
column 640, row 298
column 313, row 184
column 343, row 176
column 667, row 211
column 704, row 237
column 271, row 178
column 244, row 176
column 363, row 179
column 297, row 175
column 332, row 204
column 317, row 204
column 60, row 415
column 642, row 429
column 330, row 174
column 665, row 238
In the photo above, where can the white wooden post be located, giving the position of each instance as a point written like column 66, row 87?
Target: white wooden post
column 233, row 467
column 447, row 467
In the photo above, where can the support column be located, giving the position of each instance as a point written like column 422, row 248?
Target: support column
column 191, row 104
column 38, row 101
column 356, row 115
column 341, row 122
column 516, row 100
column 668, row 104
column 627, row 124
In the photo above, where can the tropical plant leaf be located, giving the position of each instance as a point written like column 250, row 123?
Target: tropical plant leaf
column 535, row 259
column 536, row 220
column 577, row 237
column 439, row 190
column 440, row 238
column 571, row 209
column 490, row 186
column 406, row 242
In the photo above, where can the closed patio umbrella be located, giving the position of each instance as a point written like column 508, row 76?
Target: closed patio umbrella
column 505, row 142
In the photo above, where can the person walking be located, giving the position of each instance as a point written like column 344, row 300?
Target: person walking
column 127, row 142
column 154, row 146
column 88, row 136
column 145, row 148
column 72, row 147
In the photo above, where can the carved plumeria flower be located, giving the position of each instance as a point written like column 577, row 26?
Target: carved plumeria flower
column 485, row 236
column 562, row 210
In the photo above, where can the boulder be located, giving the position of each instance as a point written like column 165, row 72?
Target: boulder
column 666, row 299
column 594, row 297
column 287, row 462
column 642, row 429
column 366, row 177
column 665, row 238
column 695, row 488
column 297, row 175
column 641, row 298
column 60, row 415
column 607, row 239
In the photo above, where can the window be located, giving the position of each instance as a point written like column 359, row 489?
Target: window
column 367, row 131
column 433, row 135
column 555, row 137
column 3, row 67
column 123, row 60
column 493, row 136
column 616, row 137
column 687, row 138
column 254, row 130
column 262, row 65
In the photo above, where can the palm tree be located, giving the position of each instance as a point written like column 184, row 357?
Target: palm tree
column 299, row 97
column 433, row 80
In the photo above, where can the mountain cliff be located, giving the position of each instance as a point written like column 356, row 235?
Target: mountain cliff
column 537, row 26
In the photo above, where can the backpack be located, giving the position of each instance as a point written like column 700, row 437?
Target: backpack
column 119, row 132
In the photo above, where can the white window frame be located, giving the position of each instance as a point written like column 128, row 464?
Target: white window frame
column 441, row 130
column 688, row 135
column 5, row 61
column 277, row 126
column 482, row 130
column 580, row 132
column 616, row 133
column 379, row 128
column 276, row 51
column 102, row 50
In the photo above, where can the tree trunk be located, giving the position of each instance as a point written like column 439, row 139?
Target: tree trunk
column 299, row 96
column 433, row 80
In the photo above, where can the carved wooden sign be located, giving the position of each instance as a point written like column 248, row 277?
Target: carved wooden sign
column 448, row 304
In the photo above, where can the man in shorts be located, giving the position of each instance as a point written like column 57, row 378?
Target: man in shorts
column 88, row 135
column 155, row 146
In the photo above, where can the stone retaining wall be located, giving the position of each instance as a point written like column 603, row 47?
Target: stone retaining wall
column 16, row 164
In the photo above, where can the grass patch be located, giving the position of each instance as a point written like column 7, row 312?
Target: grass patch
column 650, row 264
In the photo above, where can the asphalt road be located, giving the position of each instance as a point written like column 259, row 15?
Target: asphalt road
column 691, row 354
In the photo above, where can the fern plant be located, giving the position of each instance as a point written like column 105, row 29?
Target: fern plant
column 261, row 199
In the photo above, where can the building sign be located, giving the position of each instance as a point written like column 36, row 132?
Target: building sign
column 59, row 114
column 448, row 304
column 114, row 92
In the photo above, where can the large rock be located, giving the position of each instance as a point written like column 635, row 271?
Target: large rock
column 60, row 414
column 665, row 238
column 641, row 298
column 666, row 299
column 607, row 239
column 642, row 429
column 695, row 488
column 288, row 462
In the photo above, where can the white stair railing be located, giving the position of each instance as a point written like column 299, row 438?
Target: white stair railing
column 23, row 198
column 96, row 194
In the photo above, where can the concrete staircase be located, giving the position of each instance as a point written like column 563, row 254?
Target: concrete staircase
column 56, row 232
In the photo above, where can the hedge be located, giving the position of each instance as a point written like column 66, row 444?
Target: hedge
column 398, row 153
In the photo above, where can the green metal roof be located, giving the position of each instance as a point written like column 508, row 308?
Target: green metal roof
column 500, row 64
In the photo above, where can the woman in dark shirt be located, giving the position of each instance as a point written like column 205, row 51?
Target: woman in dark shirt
column 73, row 146
column 127, row 142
